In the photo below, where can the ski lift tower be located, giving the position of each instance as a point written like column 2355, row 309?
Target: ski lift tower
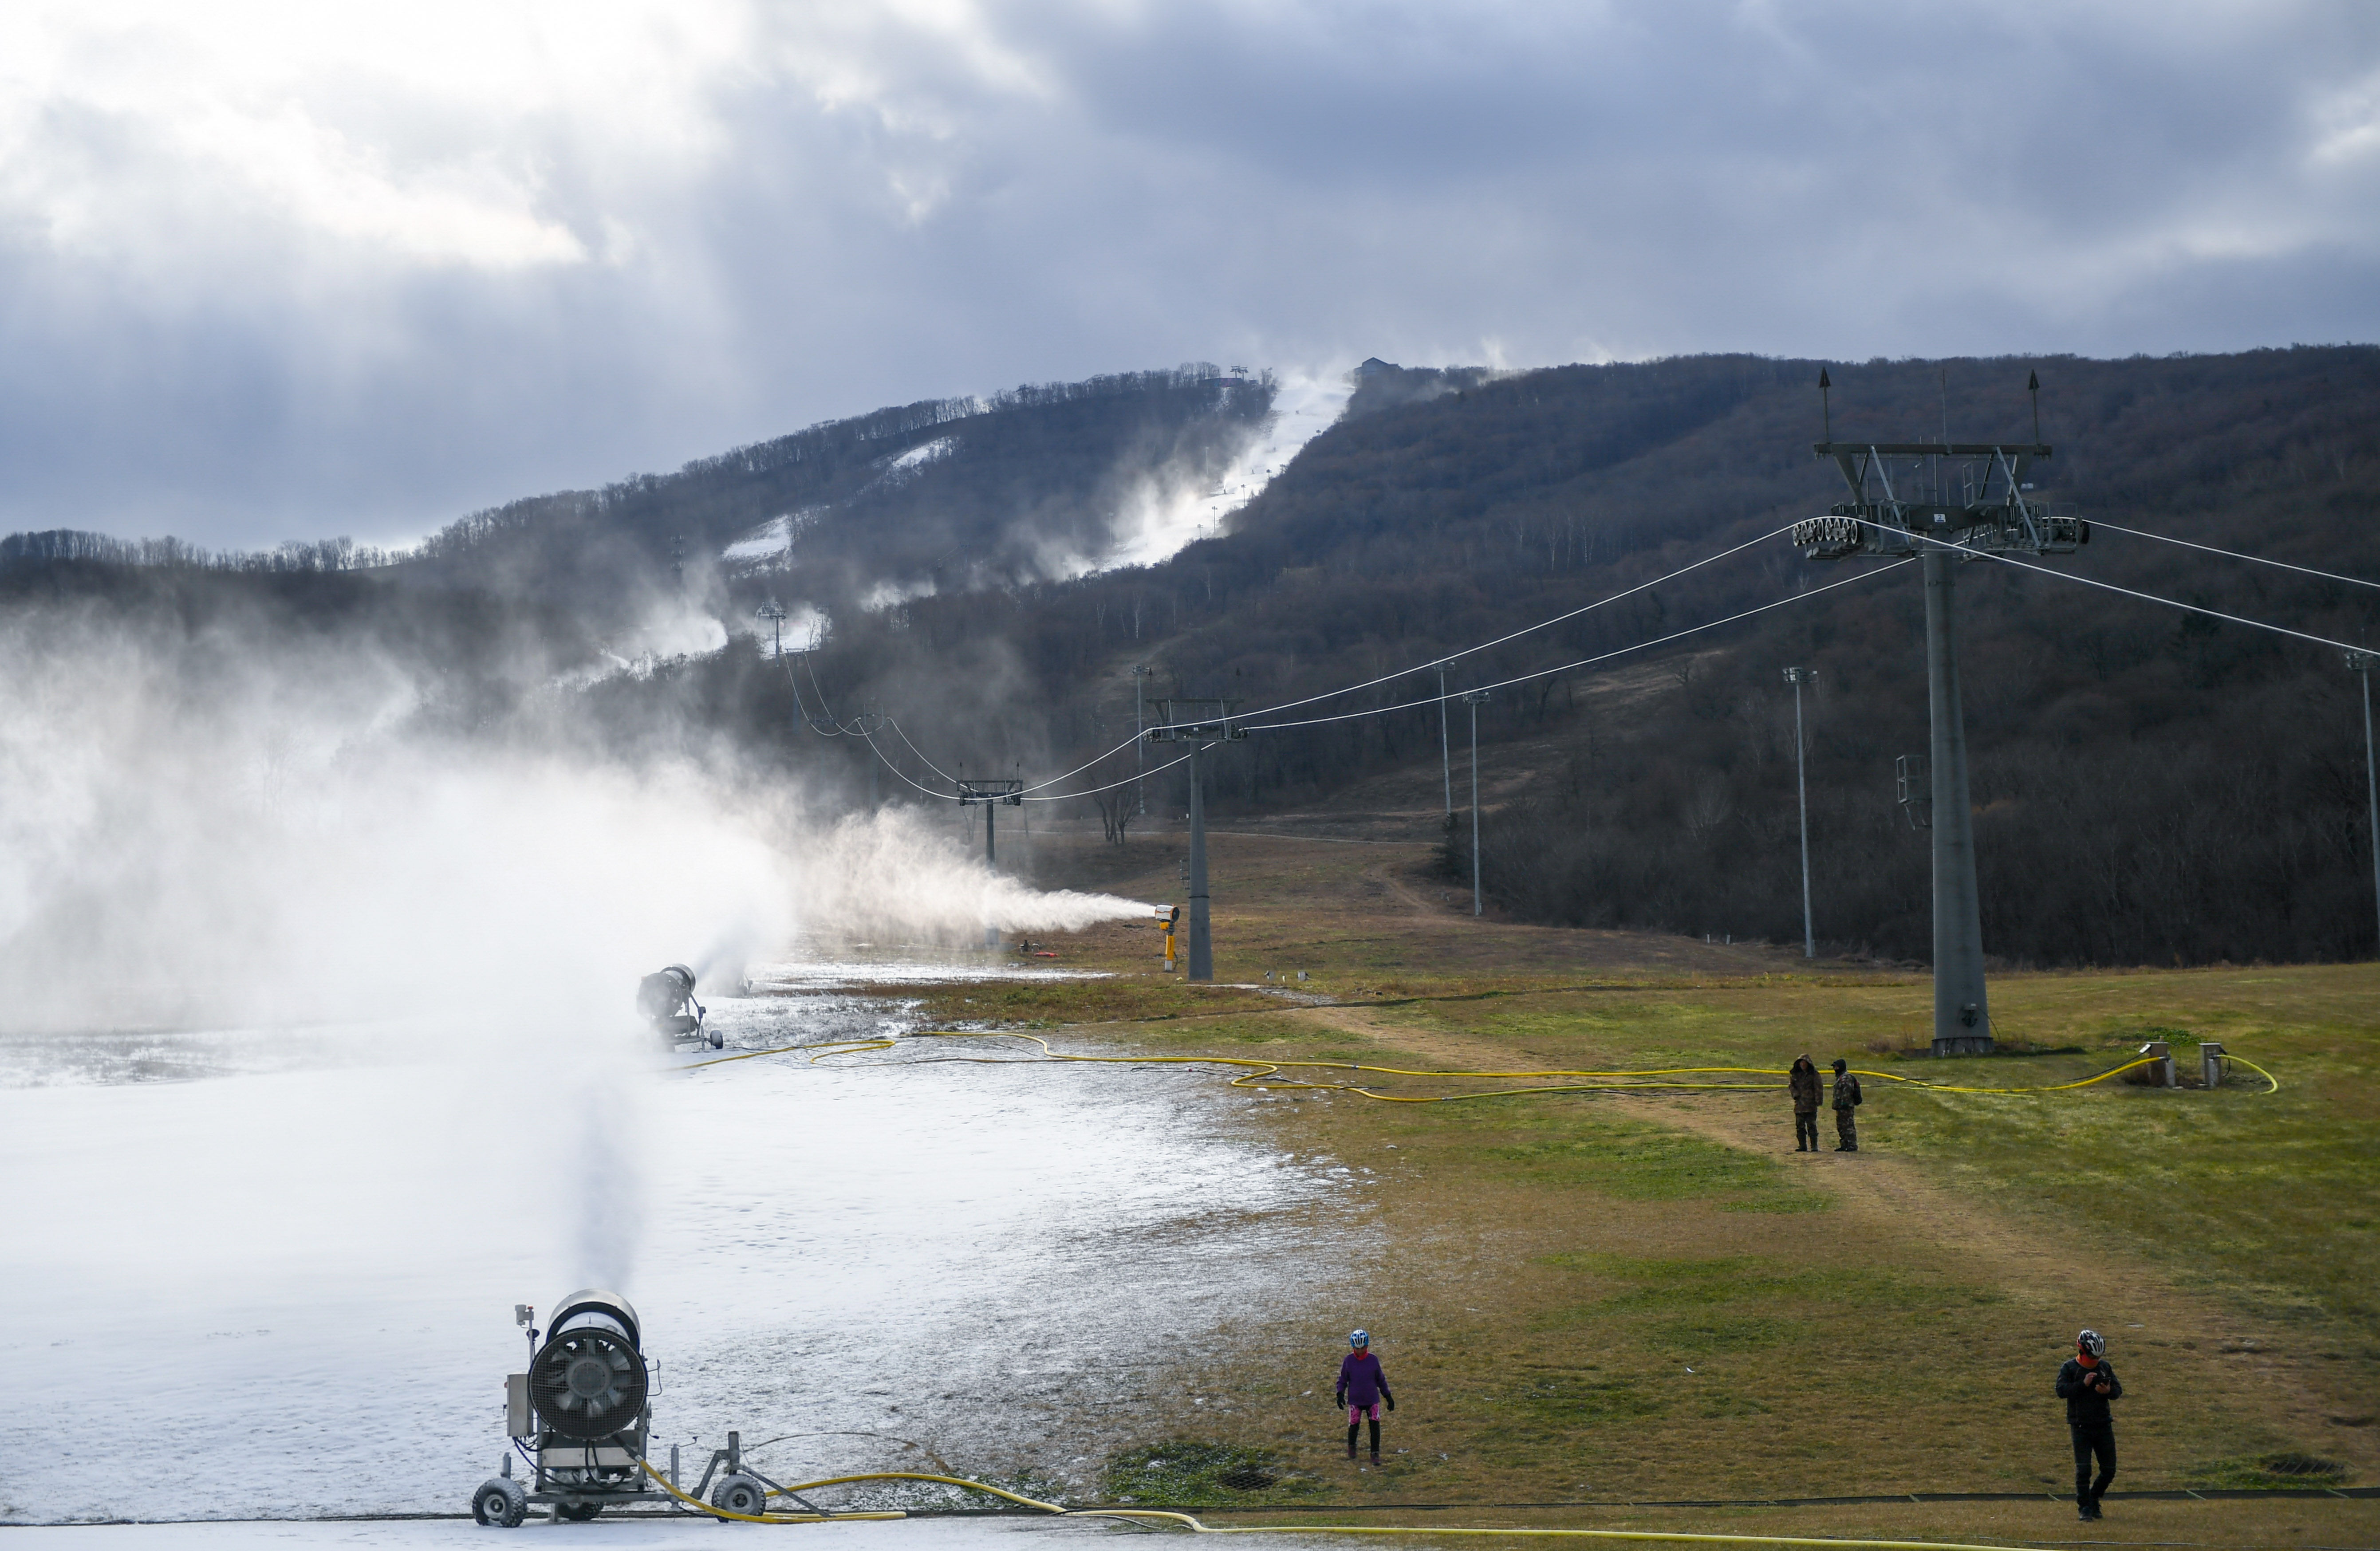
column 992, row 795
column 1946, row 503
column 1202, row 724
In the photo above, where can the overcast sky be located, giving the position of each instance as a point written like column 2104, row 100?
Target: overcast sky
column 289, row 270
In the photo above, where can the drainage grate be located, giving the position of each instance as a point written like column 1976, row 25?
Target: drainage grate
column 1246, row 1481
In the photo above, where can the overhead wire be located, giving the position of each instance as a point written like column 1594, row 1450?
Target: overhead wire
column 2111, row 586
column 2234, row 555
column 1128, row 781
column 1450, row 657
column 1582, row 662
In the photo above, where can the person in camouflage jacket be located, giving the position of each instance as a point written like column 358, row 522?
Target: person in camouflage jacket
column 1847, row 1098
column 1803, row 1082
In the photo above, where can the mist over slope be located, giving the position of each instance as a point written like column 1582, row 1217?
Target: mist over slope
column 2151, row 787
column 946, row 494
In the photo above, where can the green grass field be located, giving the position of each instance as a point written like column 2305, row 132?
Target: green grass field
column 1638, row 1297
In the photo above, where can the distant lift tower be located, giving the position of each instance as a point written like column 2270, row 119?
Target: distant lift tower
column 991, row 794
column 1201, row 724
column 1947, row 502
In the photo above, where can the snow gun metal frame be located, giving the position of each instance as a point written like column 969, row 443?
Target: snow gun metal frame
column 579, row 1417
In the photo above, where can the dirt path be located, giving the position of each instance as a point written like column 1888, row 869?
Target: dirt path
column 2060, row 1269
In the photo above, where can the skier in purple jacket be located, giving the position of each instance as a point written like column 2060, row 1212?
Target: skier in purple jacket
column 1362, row 1387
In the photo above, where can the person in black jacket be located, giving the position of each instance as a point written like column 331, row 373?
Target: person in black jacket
column 2086, row 1384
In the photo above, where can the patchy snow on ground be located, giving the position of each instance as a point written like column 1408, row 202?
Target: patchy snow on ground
column 270, row 1273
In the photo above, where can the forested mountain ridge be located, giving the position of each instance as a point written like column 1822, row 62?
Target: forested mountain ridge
column 945, row 494
column 2151, row 786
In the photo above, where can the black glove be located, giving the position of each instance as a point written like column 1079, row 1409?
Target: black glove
column 1392, row 1402
column 1340, row 1396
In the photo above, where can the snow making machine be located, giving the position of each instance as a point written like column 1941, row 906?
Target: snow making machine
column 666, row 1000
column 579, row 1418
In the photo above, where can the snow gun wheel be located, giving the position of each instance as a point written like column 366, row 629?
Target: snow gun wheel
column 739, row 1494
column 578, row 1513
column 499, row 1501
column 718, row 1040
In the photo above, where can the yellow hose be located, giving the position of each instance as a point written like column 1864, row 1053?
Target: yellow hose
column 1664, row 1079
column 671, row 1487
column 838, row 1046
column 1585, row 1535
column 2258, row 1071
column 1197, row 1527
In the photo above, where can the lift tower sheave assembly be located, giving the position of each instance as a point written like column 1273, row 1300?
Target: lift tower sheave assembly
column 992, row 795
column 1955, row 501
column 1201, row 724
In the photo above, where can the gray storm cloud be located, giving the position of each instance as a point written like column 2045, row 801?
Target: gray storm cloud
column 275, row 271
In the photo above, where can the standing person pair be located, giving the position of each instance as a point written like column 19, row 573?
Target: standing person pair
column 1806, row 1086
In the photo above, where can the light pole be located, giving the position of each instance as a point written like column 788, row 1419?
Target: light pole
column 2362, row 664
column 1140, row 783
column 1472, row 697
column 774, row 613
column 1797, row 677
column 1445, row 746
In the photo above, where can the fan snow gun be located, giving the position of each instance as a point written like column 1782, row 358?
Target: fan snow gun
column 579, row 1417
column 665, row 998
column 1168, row 917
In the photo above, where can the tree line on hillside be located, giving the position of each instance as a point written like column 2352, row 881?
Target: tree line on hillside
column 2149, row 787
column 2151, row 784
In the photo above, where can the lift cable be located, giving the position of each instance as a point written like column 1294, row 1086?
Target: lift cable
column 1448, row 657
column 1524, row 678
column 1128, row 781
column 1582, row 662
column 2235, row 554
column 2111, row 586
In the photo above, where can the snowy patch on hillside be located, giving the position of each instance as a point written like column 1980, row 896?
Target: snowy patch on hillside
column 918, row 456
column 768, row 542
column 1164, row 516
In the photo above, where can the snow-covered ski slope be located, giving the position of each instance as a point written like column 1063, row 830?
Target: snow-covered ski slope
column 271, row 1275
